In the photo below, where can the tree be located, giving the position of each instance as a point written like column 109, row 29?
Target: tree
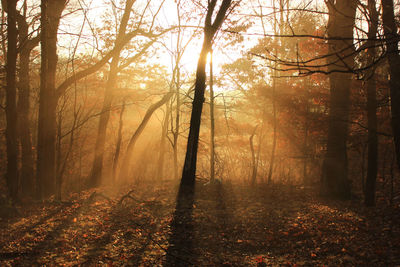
column 115, row 68
column 11, row 99
column 340, row 28
column 26, row 45
column 95, row 175
column 45, row 171
column 371, row 106
column 210, row 29
column 125, row 169
column 392, row 47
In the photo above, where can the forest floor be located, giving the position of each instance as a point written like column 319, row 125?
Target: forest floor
column 228, row 225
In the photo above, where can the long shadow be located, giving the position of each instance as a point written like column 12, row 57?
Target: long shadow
column 181, row 251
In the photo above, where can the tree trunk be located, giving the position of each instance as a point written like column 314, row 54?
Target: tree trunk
column 212, row 123
column 125, row 169
column 392, row 42
column 177, row 120
column 119, row 141
column 335, row 182
column 189, row 167
column 371, row 108
column 253, row 158
column 51, row 13
column 161, row 153
column 306, row 151
column 11, row 101
column 27, row 161
column 271, row 163
column 97, row 168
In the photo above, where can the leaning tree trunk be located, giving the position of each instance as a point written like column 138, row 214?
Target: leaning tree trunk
column 189, row 167
column 11, row 101
column 371, row 108
column 97, row 168
column 392, row 42
column 125, row 168
column 335, row 182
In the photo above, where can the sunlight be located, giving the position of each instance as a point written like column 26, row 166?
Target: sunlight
column 116, row 150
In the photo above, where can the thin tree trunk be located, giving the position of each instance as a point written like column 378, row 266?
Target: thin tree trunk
column 271, row 164
column 177, row 122
column 97, row 168
column 27, row 161
column 161, row 153
column 125, row 169
column 212, row 122
column 272, row 160
column 253, row 158
column 305, row 141
column 371, row 109
column 119, row 141
column 11, row 101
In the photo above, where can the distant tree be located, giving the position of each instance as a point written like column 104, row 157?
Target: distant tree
column 115, row 67
column 370, row 183
column 95, row 176
column 125, row 169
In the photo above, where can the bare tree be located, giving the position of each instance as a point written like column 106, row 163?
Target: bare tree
column 340, row 28
column 11, row 99
column 26, row 45
column 392, row 46
column 210, row 29
column 371, row 107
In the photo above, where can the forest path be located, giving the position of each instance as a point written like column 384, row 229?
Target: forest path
column 231, row 225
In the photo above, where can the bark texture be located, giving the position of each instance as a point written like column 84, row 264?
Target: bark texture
column 11, row 101
column 45, row 171
column 392, row 42
column 26, row 45
column 370, row 183
column 335, row 182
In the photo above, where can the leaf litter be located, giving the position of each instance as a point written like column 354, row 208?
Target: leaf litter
column 233, row 225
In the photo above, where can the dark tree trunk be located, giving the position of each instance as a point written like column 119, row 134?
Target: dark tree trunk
column 392, row 42
column 335, row 182
column 11, row 101
column 27, row 161
column 189, row 167
column 51, row 14
column 371, row 108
